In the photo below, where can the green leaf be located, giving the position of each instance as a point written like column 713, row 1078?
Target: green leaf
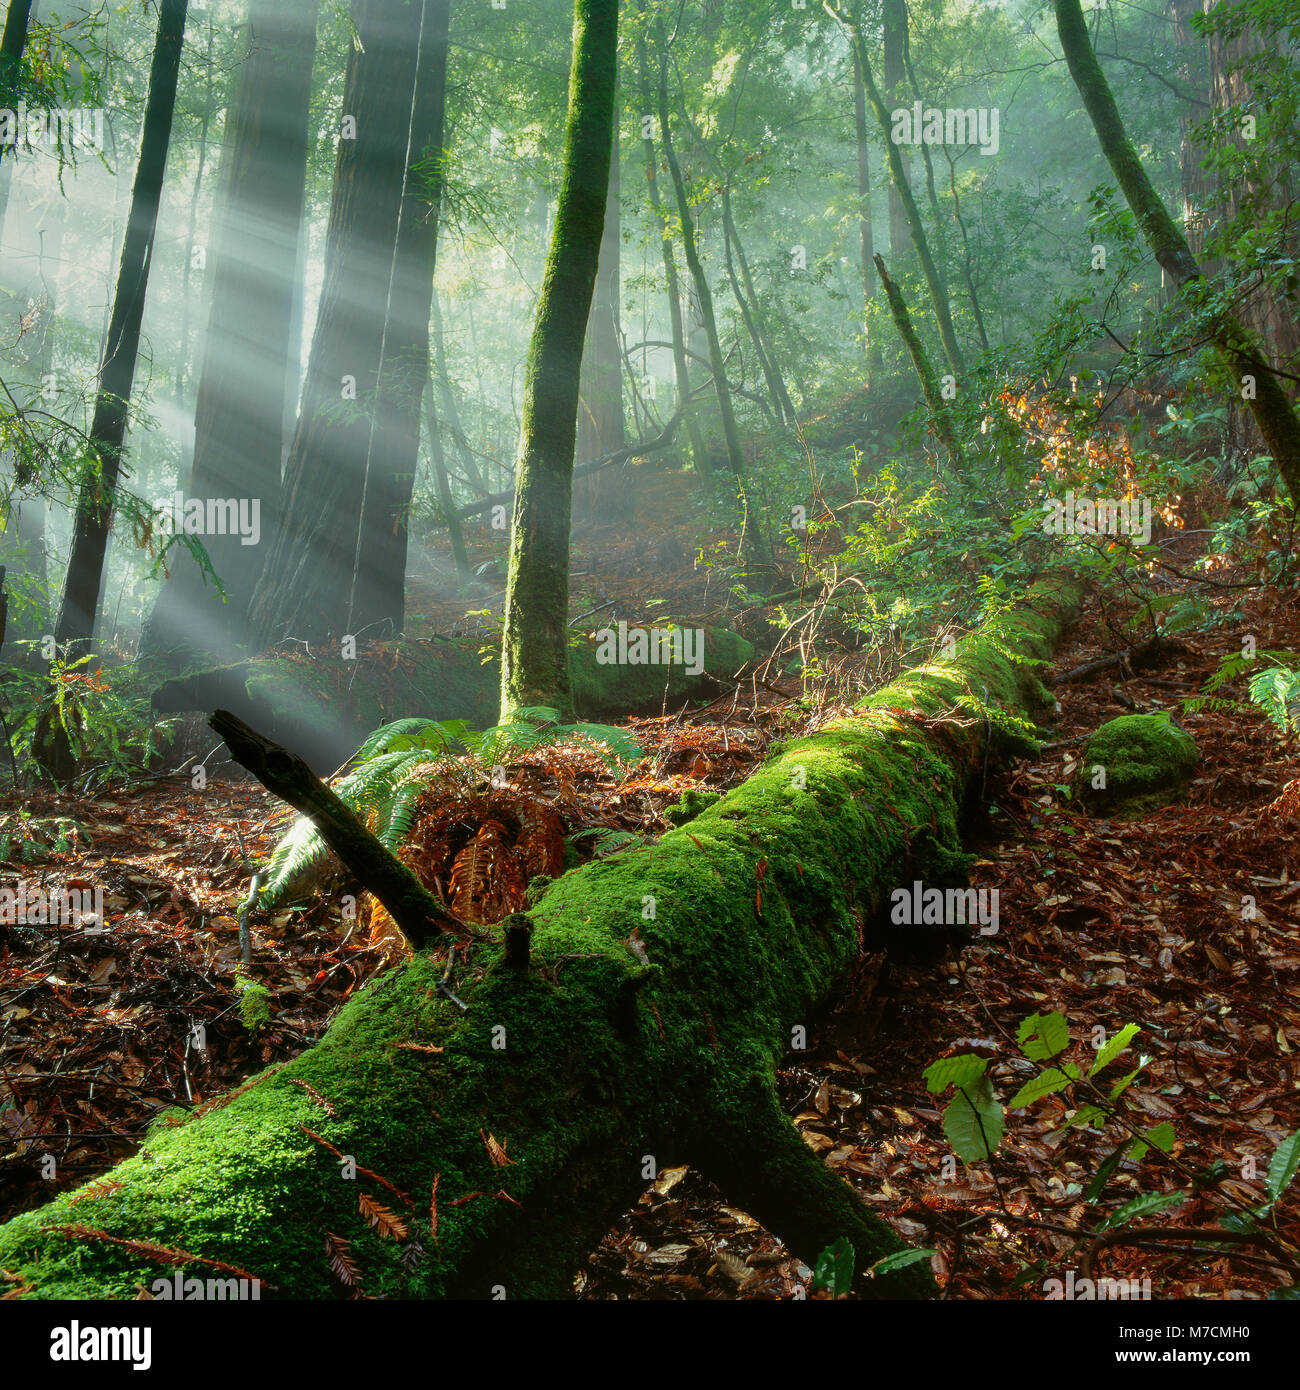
column 961, row 1070
column 1114, row 1047
column 1043, row 1035
column 899, row 1260
column 1102, row 1176
column 1161, row 1137
column 834, row 1268
column 1046, row 1083
column 1125, row 1082
column 1085, row 1115
column 973, row 1122
column 1145, row 1205
column 1282, row 1166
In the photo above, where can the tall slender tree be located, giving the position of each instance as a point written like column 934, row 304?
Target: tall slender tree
column 893, row 61
column 866, row 237
column 703, row 294
column 898, row 174
column 117, row 372
column 535, row 650
column 249, row 354
column 13, row 43
column 677, row 329
column 602, row 428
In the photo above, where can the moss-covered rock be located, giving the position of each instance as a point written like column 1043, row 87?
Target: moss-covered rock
column 1135, row 763
column 661, row 991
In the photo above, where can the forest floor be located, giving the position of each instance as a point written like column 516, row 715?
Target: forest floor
column 1108, row 922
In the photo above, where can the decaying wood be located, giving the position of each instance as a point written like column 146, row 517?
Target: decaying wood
column 416, row 911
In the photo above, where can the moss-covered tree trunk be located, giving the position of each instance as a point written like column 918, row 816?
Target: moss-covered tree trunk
column 637, row 1020
column 535, row 646
column 940, row 415
column 1260, row 386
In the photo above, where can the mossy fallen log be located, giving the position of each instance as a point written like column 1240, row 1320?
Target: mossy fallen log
column 503, row 1115
column 320, row 706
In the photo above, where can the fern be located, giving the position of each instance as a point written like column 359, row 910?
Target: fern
column 395, row 765
column 1277, row 692
column 1275, row 689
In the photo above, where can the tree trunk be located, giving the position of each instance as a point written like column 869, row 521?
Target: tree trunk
column 467, row 460
column 379, row 589
column 752, row 548
column 205, row 122
column 894, row 16
column 782, row 409
column 535, row 637
column 866, row 240
column 13, row 42
column 117, row 374
column 248, row 360
column 305, row 587
column 934, row 281
column 1270, row 406
column 699, row 457
column 601, row 424
column 509, row 1136
column 763, row 335
column 940, row 415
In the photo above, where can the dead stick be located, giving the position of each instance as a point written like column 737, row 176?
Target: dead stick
column 410, row 904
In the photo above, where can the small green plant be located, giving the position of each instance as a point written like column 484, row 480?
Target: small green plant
column 254, row 1003
column 974, row 1120
column 1275, row 689
column 105, row 715
column 27, row 838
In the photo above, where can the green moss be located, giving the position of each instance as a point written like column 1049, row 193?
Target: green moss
column 591, row 1059
column 254, row 1003
column 598, row 687
column 690, row 806
column 1141, row 761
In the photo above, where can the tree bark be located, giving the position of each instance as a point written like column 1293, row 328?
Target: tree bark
column 894, row 16
column 249, row 359
column 934, row 281
column 940, row 415
column 13, row 43
column 305, row 587
column 1270, row 406
column 601, row 424
column 117, row 374
column 592, row 1066
column 535, row 650
column 699, row 457
column 416, row 911
column 703, row 295
column 866, row 239
column 379, row 587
